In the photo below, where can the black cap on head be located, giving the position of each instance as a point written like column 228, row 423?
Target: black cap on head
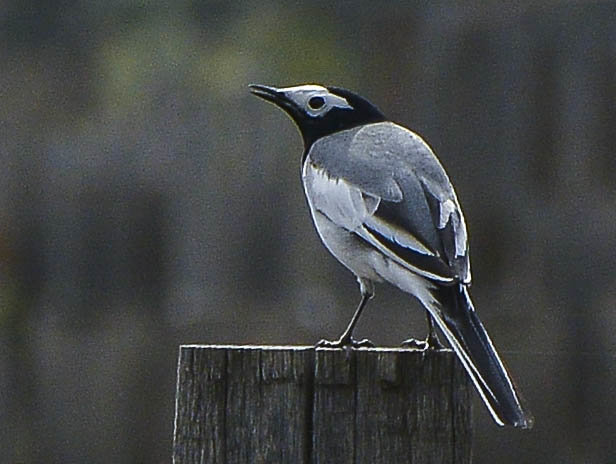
column 319, row 111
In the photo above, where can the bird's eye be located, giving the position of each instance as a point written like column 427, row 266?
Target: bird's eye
column 316, row 102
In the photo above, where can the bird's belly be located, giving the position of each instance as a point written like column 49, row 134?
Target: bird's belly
column 336, row 214
column 366, row 262
column 349, row 248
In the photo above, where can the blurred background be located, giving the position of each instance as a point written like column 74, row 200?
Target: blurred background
column 148, row 200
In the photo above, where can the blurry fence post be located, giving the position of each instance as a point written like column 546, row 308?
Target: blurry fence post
column 282, row 404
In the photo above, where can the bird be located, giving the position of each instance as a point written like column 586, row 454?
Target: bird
column 383, row 205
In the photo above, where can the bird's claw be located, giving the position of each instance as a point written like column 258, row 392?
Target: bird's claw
column 345, row 343
column 414, row 344
column 430, row 343
column 364, row 343
column 434, row 343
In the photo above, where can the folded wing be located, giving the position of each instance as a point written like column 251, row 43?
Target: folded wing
column 383, row 183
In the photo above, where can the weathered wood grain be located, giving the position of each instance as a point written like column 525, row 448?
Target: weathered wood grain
column 262, row 404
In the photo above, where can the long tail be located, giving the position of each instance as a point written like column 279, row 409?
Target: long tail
column 455, row 315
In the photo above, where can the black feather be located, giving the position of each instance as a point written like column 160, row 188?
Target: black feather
column 487, row 369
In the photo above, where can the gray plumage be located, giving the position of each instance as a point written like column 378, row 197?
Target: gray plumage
column 383, row 205
column 389, row 166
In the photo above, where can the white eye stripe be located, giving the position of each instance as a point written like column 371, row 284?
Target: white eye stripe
column 329, row 101
column 302, row 94
column 338, row 102
column 305, row 88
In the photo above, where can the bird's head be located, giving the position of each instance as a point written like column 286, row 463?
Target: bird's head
column 319, row 111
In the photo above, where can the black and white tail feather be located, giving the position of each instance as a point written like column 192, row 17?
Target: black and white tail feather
column 383, row 205
column 453, row 311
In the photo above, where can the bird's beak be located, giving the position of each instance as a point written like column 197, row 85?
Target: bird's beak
column 271, row 94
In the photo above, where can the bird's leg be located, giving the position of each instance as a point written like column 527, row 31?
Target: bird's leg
column 346, row 339
column 432, row 340
column 430, row 343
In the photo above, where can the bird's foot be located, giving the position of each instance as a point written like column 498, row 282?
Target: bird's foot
column 434, row 343
column 349, row 342
column 430, row 343
column 414, row 344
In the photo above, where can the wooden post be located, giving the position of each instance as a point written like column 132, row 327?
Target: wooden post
column 301, row 405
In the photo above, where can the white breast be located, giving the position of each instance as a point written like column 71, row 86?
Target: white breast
column 343, row 203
